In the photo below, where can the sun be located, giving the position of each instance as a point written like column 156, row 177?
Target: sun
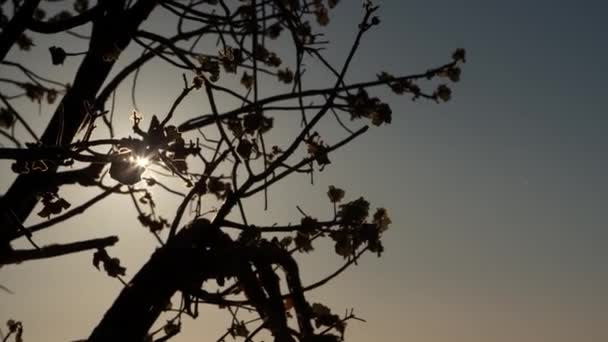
column 140, row 161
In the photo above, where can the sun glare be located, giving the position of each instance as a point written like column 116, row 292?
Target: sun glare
column 140, row 161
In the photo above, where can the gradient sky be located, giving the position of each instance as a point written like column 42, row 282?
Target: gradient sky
column 498, row 198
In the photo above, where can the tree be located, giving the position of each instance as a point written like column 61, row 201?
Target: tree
column 224, row 156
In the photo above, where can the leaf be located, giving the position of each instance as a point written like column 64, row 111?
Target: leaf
column 7, row 118
column 171, row 133
column 218, row 188
column 361, row 105
column 34, row 92
column 319, row 152
column 235, row 125
column 24, row 42
column 247, row 80
column 303, row 243
column 197, row 81
column 319, row 309
column 155, row 225
column 382, row 113
column 239, row 329
column 344, row 244
column 231, row 58
column 110, row 265
column 81, row 5
column 285, row 76
column 250, row 235
column 113, row 268
column 245, row 148
column 355, row 212
column 459, row 55
column 381, row 219
column 12, row 325
column 51, row 96
column 335, row 194
column 98, row 256
column 210, row 66
column 324, row 317
column 322, row 15
column 21, row 167
column 274, row 31
column 53, row 205
column 309, row 225
column 171, row 328
column 443, row 92
column 385, row 76
column 252, row 122
column 273, row 60
column 58, row 55
column 376, row 246
column 454, row 74
column 257, row 122
column 286, row 241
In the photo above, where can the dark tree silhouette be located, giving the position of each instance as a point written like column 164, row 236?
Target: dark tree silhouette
column 239, row 162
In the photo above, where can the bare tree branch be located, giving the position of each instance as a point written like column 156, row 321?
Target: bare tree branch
column 50, row 251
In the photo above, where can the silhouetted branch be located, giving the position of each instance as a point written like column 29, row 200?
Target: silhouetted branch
column 34, row 77
column 109, row 34
column 19, row 118
column 15, row 28
column 187, row 89
column 241, row 158
column 70, row 213
column 206, row 120
column 303, row 162
column 52, row 153
column 50, row 251
column 68, row 23
column 11, row 138
column 168, row 44
column 196, row 188
column 85, row 176
column 139, row 62
column 276, row 229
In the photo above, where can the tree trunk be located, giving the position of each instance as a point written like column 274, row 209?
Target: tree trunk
column 14, row 29
column 195, row 254
column 111, row 32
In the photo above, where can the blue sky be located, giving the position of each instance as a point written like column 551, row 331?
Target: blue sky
column 498, row 197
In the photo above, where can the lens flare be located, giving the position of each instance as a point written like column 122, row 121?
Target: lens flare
column 140, row 161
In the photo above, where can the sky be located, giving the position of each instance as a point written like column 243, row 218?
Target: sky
column 497, row 198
